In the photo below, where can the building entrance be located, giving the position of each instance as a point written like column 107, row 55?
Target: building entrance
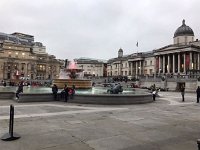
column 179, row 85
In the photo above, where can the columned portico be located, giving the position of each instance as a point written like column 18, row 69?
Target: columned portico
column 178, row 62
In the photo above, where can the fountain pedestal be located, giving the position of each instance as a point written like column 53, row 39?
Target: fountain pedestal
column 79, row 84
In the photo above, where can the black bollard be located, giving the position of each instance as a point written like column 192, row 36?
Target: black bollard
column 11, row 135
column 198, row 143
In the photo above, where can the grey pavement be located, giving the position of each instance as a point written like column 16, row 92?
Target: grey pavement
column 166, row 124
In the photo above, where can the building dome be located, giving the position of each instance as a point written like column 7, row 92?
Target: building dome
column 184, row 30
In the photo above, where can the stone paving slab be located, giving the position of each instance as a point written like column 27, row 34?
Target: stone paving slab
column 166, row 124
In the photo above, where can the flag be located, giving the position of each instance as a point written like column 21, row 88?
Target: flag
column 137, row 44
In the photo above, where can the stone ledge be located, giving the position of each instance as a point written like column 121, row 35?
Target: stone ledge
column 111, row 99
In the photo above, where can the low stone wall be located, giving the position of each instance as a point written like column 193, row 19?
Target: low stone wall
column 107, row 99
column 35, row 97
column 113, row 99
column 7, row 95
column 190, row 85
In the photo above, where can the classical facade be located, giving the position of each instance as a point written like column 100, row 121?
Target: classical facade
column 21, row 57
column 180, row 58
column 135, row 64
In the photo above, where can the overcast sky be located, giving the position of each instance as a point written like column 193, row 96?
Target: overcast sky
column 98, row 28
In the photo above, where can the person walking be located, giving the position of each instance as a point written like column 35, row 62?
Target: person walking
column 198, row 93
column 55, row 91
column 183, row 93
column 154, row 95
column 19, row 90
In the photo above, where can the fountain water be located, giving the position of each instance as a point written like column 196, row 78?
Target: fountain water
column 72, row 76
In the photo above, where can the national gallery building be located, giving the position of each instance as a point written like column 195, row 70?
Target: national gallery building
column 180, row 58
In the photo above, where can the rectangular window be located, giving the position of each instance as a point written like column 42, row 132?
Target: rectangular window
column 145, row 63
column 151, row 71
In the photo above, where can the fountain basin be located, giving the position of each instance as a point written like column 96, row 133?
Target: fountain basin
column 92, row 96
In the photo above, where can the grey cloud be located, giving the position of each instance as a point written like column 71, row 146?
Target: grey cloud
column 97, row 29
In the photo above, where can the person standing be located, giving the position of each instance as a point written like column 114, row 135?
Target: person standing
column 198, row 94
column 55, row 91
column 154, row 95
column 183, row 93
column 66, row 89
column 72, row 91
column 19, row 90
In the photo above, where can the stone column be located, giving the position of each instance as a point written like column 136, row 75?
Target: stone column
column 159, row 63
column 178, row 62
column 131, row 68
column 163, row 63
column 136, row 68
column 191, row 61
column 173, row 63
column 140, row 71
column 184, row 69
column 168, row 63
column 198, row 61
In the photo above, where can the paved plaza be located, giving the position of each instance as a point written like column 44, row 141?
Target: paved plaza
column 166, row 124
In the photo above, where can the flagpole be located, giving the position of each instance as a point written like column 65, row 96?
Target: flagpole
column 137, row 46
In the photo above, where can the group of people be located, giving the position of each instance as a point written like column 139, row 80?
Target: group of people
column 65, row 93
column 182, row 89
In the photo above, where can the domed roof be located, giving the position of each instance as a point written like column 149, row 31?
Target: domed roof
column 184, row 30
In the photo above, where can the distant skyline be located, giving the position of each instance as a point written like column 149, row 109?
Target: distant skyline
column 99, row 28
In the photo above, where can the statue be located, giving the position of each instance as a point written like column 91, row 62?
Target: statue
column 115, row 89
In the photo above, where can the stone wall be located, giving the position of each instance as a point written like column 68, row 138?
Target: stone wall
column 190, row 86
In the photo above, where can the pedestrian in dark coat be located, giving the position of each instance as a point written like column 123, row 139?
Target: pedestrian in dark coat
column 183, row 93
column 64, row 93
column 55, row 91
column 66, row 89
column 19, row 90
column 198, row 94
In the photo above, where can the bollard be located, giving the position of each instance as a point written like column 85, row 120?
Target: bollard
column 198, row 143
column 11, row 135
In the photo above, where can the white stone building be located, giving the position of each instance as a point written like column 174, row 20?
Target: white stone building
column 91, row 67
column 180, row 58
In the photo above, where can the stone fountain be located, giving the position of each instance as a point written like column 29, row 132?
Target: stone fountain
column 72, row 76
